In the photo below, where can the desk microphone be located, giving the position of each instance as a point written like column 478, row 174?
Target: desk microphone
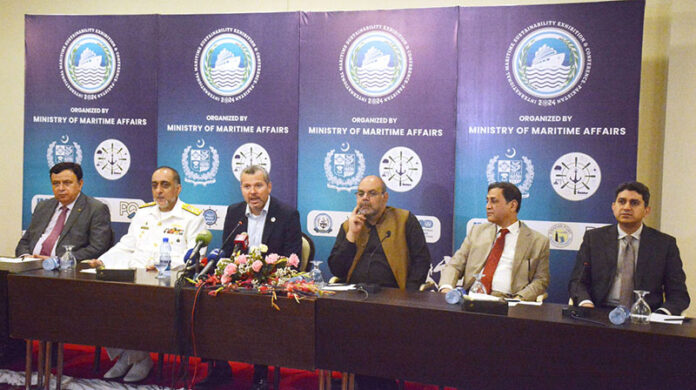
column 241, row 243
column 213, row 258
column 373, row 287
column 227, row 239
column 202, row 240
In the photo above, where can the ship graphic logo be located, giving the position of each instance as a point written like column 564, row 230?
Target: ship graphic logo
column 63, row 151
column 200, row 164
column 228, row 65
column 90, row 64
column 548, row 65
column 375, row 64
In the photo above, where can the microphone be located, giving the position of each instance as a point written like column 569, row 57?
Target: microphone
column 213, row 258
column 227, row 239
column 373, row 287
column 241, row 242
column 202, row 240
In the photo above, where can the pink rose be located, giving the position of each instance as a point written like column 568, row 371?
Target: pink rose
column 241, row 259
column 256, row 265
column 272, row 258
column 231, row 269
column 225, row 279
column 293, row 260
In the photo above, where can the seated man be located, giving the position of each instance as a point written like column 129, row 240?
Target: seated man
column 167, row 217
column 617, row 259
column 69, row 218
column 267, row 221
column 513, row 258
column 379, row 243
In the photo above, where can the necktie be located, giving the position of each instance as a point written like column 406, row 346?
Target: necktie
column 493, row 259
column 627, row 272
column 47, row 245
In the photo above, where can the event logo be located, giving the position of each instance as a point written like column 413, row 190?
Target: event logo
column 344, row 169
column 401, row 169
column 548, row 62
column 112, row 159
column 200, row 164
column 560, row 235
column 228, row 64
column 575, row 176
column 89, row 63
column 250, row 154
column 519, row 172
column 210, row 216
column 62, row 151
column 375, row 64
column 323, row 223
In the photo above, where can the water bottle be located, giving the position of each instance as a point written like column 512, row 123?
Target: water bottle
column 164, row 265
column 619, row 315
column 51, row 264
column 454, row 297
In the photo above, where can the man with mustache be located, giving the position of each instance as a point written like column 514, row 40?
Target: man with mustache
column 617, row 259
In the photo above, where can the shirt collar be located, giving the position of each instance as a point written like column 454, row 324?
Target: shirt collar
column 70, row 205
column 264, row 211
column 635, row 234
column 177, row 210
column 514, row 228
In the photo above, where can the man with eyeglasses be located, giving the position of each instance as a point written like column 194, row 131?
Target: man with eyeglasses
column 380, row 244
column 615, row 260
column 166, row 217
column 267, row 221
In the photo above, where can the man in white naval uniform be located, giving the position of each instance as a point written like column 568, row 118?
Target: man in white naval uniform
column 167, row 217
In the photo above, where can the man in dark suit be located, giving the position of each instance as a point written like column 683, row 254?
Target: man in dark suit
column 70, row 218
column 268, row 222
column 617, row 259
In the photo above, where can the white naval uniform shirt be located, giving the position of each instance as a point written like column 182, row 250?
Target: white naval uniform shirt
column 140, row 246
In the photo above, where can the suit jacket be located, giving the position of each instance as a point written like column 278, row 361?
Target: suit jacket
column 658, row 269
column 88, row 228
column 530, row 269
column 282, row 233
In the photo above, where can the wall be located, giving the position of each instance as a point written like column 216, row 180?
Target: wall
column 655, row 99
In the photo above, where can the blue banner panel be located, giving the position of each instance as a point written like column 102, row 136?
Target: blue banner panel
column 377, row 94
column 228, row 98
column 548, row 100
column 91, row 98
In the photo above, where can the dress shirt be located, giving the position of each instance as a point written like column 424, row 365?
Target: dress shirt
column 502, row 278
column 51, row 225
column 256, row 224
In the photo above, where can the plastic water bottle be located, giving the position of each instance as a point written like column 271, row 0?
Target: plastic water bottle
column 619, row 315
column 455, row 296
column 51, row 264
column 164, row 265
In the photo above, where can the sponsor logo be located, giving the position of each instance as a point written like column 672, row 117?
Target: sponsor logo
column 250, row 154
column 401, row 169
column 575, row 176
column 560, row 235
column 112, row 159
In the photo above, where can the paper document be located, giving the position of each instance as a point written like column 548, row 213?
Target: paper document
column 483, row 297
column 665, row 319
column 339, row 287
column 528, row 303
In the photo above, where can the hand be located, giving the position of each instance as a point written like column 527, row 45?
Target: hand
column 587, row 304
column 94, row 263
column 356, row 222
column 151, row 268
column 42, row 257
column 445, row 290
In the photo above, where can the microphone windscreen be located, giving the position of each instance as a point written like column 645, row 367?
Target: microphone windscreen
column 205, row 236
column 188, row 254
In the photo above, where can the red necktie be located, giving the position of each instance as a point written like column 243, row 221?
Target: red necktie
column 493, row 259
column 47, row 245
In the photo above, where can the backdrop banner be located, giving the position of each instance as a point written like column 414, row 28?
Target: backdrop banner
column 228, row 98
column 377, row 97
column 548, row 100
column 90, row 97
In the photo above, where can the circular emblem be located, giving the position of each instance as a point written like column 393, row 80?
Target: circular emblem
column 375, row 64
column 90, row 63
column 250, row 154
column 112, row 159
column 323, row 223
column 64, row 150
column 575, row 176
column 200, row 164
column 401, row 169
column 210, row 217
column 560, row 235
column 228, row 64
column 344, row 168
column 516, row 170
column 548, row 65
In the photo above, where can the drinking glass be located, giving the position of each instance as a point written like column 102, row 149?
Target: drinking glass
column 68, row 260
column 477, row 287
column 640, row 311
column 316, row 275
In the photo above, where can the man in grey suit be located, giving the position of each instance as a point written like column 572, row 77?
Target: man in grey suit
column 513, row 257
column 615, row 260
column 69, row 218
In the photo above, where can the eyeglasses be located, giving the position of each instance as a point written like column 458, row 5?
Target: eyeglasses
column 370, row 194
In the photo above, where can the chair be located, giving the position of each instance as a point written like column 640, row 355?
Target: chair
column 307, row 253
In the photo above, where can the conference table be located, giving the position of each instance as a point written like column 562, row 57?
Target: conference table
column 412, row 336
